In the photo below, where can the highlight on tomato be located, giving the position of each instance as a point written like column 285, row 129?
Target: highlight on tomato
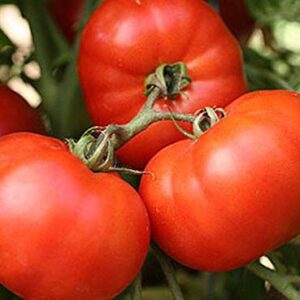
column 66, row 232
column 128, row 42
column 16, row 114
column 232, row 195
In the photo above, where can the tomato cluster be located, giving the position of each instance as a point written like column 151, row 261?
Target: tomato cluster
column 214, row 201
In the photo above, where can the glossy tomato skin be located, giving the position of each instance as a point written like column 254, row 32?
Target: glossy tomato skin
column 66, row 13
column 236, row 16
column 124, row 41
column 16, row 114
column 66, row 233
column 231, row 196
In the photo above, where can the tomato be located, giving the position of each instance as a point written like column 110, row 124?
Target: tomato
column 124, row 41
column 236, row 16
column 66, row 13
column 231, row 196
column 66, row 233
column 16, row 114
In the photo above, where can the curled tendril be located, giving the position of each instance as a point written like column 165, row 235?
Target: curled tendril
column 179, row 128
column 105, row 160
column 99, row 155
column 94, row 148
column 128, row 171
column 206, row 118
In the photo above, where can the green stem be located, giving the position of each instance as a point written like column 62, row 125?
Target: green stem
column 136, row 288
column 121, row 134
column 295, row 279
column 275, row 260
column 118, row 135
column 137, row 125
column 279, row 281
column 147, row 116
column 210, row 282
column 153, row 96
column 169, row 272
column 68, row 93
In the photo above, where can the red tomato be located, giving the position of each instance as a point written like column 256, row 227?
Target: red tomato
column 124, row 41
column 16, row 114
column 236, row 16
column 66, row 233
column 66, row 13
column 233, row 195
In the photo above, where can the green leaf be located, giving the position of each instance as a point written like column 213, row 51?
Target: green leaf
column 261, row 74
column 7, row 48
column 256, row 59
column 268, row 11
column 260, row 79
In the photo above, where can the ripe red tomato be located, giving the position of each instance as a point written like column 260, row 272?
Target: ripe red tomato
column 66, row 13
column 66, row 233
column 124, row 41
column 236, row 16
column 16, row 114
column 233, row 195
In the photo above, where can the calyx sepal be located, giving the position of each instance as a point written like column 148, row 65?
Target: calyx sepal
column 170, row 79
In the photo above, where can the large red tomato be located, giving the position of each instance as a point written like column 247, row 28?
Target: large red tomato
column 125, row 41
column 65, row 232
column 233, row 195
column 66, row 13
column 16, row 114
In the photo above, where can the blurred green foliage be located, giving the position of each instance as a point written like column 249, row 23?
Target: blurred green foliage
column 269, row 11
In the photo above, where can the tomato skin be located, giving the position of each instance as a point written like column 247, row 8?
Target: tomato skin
column 236, row 16
column 231, row 196
column 124, row 41
column 66, row 13
column 66, row 233
column 16, row 114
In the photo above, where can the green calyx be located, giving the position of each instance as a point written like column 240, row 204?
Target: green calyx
column 94, row 149
column 170, row 80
